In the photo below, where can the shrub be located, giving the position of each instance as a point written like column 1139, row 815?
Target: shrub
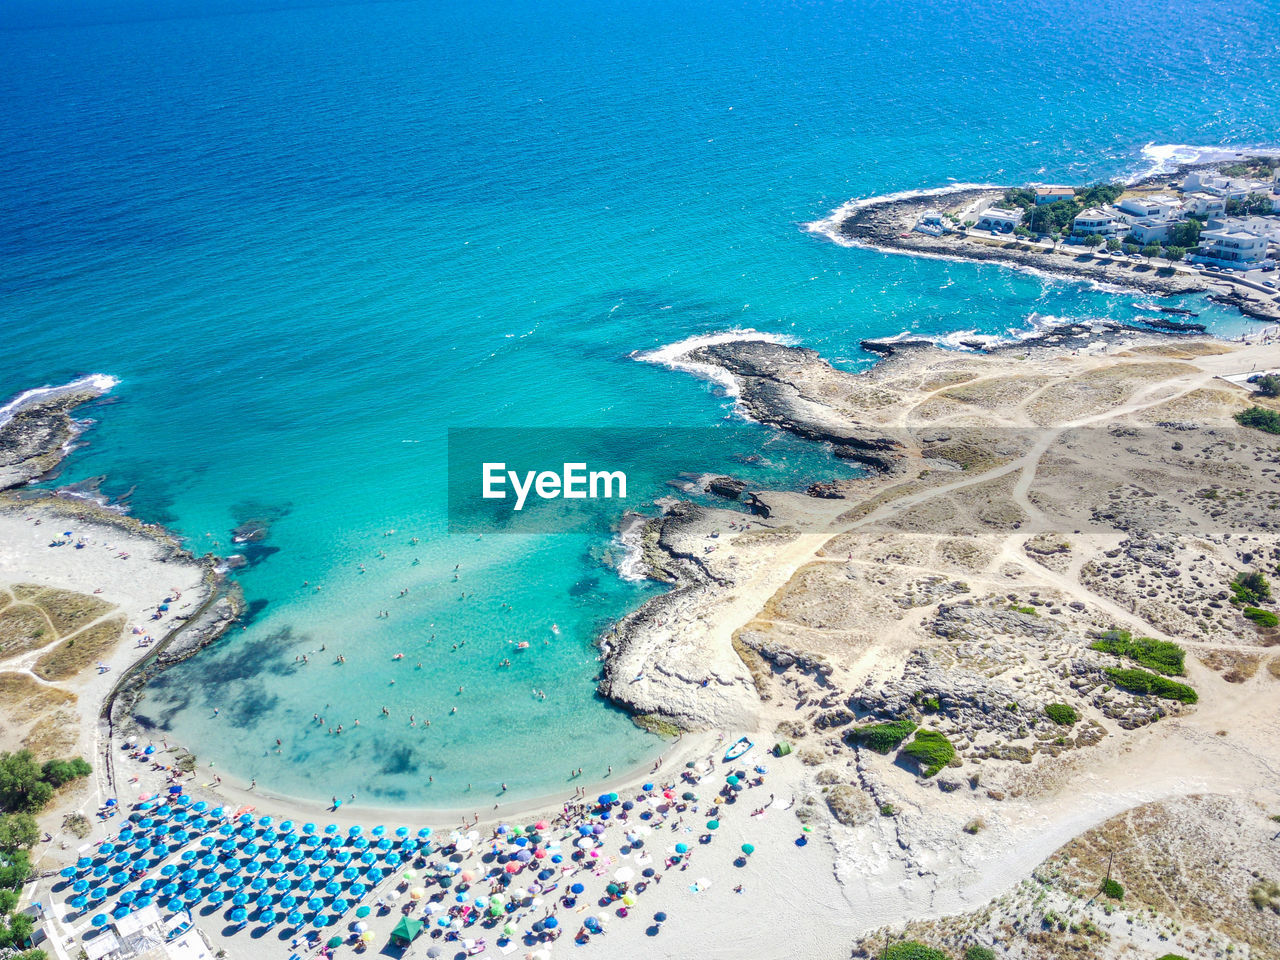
column 26, row 787
column 60, row 772
column 975, row 952
column 912, row 950
column 1251, row 587
column 1145, row 682
column 18, row 831
column 1260, row 418
column 1268, row 385
column 932, row 749
column 1263, row 618
column 1158, row 655
column 882, row 737
column 1112, row 889
column 1061, row 714
column 974, row 825
column 16, row 870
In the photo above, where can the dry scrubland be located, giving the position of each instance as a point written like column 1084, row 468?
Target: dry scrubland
column 1025, row 624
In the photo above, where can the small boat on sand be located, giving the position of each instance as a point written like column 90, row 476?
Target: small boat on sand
column 737, row 749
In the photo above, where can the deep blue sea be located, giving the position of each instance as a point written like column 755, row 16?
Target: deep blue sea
column 308, row 238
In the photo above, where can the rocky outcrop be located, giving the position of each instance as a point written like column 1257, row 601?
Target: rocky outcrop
column 36, row 435
column 773, row 382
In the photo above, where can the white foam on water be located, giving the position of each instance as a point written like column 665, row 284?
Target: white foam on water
column 632, row 566
column 675, row 356
column 98, row 383
column 1167, row 157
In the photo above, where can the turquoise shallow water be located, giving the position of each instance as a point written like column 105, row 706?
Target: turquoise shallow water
column 309, row 239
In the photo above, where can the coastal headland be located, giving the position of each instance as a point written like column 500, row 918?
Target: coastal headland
column 943, row 223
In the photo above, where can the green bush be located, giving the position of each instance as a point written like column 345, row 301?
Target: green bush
column 912, row 950
column 1260, row 418
column 976, row 952
column 26, row 787
column 1145, row 682
column 1173, row 956
column 1268, row 385
column 1158, row 655
column 1061, row 714
column 1263, row 618
column 18, row 831
column 1112, row 889
column 15, row 871
column 60, row 772
column 882, row 737
column 932, row 749
column 1250, row 587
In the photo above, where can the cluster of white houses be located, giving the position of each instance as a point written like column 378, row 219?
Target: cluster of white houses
column 1225, row 241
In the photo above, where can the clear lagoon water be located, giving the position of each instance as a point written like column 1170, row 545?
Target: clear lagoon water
column 310, row 238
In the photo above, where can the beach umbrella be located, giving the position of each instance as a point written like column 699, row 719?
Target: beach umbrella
column 80, row 886
column 267, row 917
column 363, row 912
column 282, row 884
column 350, row 873
column 551, row 923
column 240, row 899
column 216, row 897
column 288, row 901
column 168, row 890
column 306, row 884
column 682, row 848
column 99, row 920
column 392, row 860
column 368, row 857
column 713, row 824
column 119, row 877
column 300, row 870
column 356, row 890
column 226, row 830
column 294, row 918
column 189, row 855
column 78, row 903
column 199, row 806
column 342, row 856
column 331, row 828
column 234, row 882
column 148, row 884
column 245, row 819
column 260, row 883
column 748, row 849
column 192, row 896
column 264, row 901
column 175, row 905
column 308, row 828
column 321, row 920
column 577, row 888
column 402, row 832
column 127, row 896
column 362, row 843
column 333, row 888
column 340, row 906
column 239, row 915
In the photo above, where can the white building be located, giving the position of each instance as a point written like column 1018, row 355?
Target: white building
column 1151, row 230
column 142, row 935
column 1230, row 247
column 999, row 218
column 1204, row 205
column 1097, row 221
column 1158, row 207
column 1229, row 188
column 1052, row 192
column 932, row 223
column 1266, row 227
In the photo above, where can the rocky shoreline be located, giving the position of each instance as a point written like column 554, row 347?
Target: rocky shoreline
column 35, row 437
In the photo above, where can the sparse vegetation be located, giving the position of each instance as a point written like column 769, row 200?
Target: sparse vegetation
column 912, row 950
column 978, row 952
column 975, row 825
column 1158, row 655
column 27, row 787
column 882, row 737
column 932, row 749
column 1111, row 888
column 1061, row 714
column 1147, row 683
column 1265, row 895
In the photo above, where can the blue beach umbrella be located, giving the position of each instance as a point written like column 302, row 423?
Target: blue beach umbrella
column 79, row 903
column 308, row 828
column 379, row 830
column 356, row 890
column 330, row 828
column 321, row 920
column 306, row 884
column 119, row 878
column 226, row 830
column 340, row 906
column 84, row 863
column 368, row 857
column 98, row 893
column 374, row 877
column 384, row 844
column 260, row 883
column 342, row 857
column 99, row 920
column 127, row 896
column 168, row 890
column 350, row 873
column 228, row 846
column 269, row 836
column 355, row 831
column 315, row 903
column 234, row 882
column 244, row 818
column 393, row 860
column 402, row 832
column 362, row 843
column 294, row 919
column 250, row 850
column 200, row 806
column 267, row 916
column 299, row 871
column 424, row 833
column 142, row 901
column 147, row 885
column 80, row 886
column 286, row 826
column 240, row 899
column 208, row 860
column 335, row 842
column 175, row 905
column 107, row 848
column 288, row 901
column 282, row 884
column 216, row 897
column 231, row 863
column 192, row 896
column 264, row 901
column 265, row 821
column 239, row 915
column 101, row 870
column 209, row 842
column 189, row 855
column 325, row 872
column 333, row 888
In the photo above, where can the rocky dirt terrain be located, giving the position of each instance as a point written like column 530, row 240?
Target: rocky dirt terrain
column 1029, row 619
